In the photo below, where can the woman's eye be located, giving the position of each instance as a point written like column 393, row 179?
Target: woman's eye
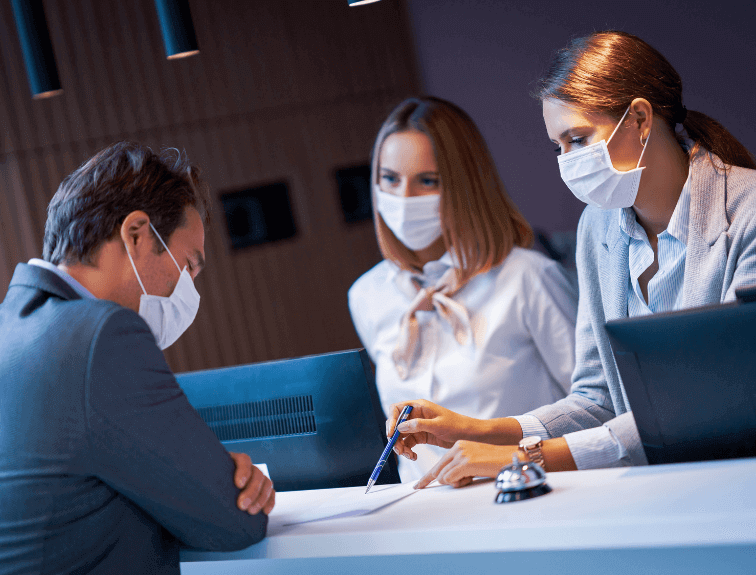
column 574, row 141
column 389, row 178
column 430, row 182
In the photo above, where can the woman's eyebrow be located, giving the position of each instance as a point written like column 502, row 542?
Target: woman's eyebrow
column 569, row 131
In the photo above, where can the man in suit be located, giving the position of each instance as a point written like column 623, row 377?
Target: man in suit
column 104, row 465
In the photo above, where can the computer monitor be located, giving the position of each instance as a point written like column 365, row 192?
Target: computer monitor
column 315, row 421
column 690, row 378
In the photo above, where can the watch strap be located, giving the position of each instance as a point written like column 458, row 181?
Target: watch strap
column 534, row 453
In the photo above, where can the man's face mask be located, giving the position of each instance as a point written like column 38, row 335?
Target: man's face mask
column 168, row 317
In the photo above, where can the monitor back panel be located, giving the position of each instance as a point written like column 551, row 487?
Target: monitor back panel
column 690, row 378
column 316, row 421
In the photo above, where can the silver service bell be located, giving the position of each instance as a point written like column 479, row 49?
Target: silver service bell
column 520, row 481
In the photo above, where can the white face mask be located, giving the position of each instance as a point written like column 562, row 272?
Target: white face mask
column 168, row 317
column 590, row 175
column 415, row 221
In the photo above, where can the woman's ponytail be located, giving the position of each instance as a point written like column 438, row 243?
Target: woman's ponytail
column 710, row 135
column 606, row 71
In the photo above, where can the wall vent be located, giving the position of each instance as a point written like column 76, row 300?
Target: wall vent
column 281, row 417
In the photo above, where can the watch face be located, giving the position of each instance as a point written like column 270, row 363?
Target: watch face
column 530, row 441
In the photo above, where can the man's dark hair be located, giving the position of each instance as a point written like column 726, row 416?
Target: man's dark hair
column 92, row 202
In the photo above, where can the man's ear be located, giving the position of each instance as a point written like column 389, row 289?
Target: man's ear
column 643, row 116
column 136, row 234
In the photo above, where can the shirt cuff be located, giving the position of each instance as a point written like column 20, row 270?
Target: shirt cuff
column 531, row 426
column 595, row 448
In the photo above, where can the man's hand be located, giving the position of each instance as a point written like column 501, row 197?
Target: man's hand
column 428, row 423
column 257, row 490
column 468, row 459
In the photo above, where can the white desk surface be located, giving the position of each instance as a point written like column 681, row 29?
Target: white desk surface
column 683, row 518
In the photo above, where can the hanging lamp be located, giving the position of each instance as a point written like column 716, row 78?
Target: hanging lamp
column 37, row 48
column 177, row 28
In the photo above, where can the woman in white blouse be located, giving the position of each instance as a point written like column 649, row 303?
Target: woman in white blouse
column 459, row 312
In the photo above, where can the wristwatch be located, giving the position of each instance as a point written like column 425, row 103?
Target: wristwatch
column 532, row 447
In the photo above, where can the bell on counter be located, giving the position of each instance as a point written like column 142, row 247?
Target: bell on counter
column 520, row 481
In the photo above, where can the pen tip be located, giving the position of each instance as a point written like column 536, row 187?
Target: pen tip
column 368, row 489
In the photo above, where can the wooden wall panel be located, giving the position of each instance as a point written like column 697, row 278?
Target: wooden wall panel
column 282, row 90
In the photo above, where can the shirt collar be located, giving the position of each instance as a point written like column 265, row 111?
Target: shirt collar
column 432, row 271
column 678, row 223
column 75, row 285
column 627, row 224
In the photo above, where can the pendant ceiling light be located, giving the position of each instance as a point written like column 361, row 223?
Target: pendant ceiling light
column 37, row 48
column 358, row 2
column 177, row 28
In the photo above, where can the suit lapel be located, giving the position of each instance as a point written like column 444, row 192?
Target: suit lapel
column 706, row 256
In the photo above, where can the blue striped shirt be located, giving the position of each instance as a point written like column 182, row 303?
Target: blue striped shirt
column 665, row 288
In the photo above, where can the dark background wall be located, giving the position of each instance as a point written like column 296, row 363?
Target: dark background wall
column 282, row 90
column 293, row 89
column 486, row 55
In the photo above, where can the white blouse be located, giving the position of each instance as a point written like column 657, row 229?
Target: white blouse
column 522, row 315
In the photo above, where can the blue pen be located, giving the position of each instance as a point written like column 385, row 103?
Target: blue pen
column 384, row 456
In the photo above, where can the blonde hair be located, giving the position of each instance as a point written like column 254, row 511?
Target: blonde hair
column 480, row 222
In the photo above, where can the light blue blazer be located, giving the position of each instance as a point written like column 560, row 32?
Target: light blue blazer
column 720, row 258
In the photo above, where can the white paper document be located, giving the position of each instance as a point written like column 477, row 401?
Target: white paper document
column 350, row 504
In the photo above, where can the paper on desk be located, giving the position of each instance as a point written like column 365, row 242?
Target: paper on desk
column 350, row 504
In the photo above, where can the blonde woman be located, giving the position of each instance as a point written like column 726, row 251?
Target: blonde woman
column 459, row 312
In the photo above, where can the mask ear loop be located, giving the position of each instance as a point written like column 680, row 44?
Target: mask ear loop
column 141, row 285
column 619, row 124
column 165, row 246
column 644, row 148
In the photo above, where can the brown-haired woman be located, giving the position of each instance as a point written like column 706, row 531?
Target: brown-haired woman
column 671, row 224
column 459, row 311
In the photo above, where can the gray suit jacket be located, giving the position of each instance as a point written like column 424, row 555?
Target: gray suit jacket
column 104, row 465
column 720, row 258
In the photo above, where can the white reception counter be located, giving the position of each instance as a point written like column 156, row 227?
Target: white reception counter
column 684, row 518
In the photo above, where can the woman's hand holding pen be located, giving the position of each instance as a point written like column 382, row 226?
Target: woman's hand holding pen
column 435, row 425
column 429, row 423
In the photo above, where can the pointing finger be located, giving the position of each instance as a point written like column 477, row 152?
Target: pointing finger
column 437, row 469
